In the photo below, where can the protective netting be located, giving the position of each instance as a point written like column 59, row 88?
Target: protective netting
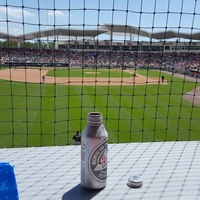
column 136, row 62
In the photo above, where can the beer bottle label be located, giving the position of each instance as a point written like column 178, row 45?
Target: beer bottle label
column 98, row 161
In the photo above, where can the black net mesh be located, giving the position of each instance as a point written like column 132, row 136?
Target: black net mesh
column 136, row 62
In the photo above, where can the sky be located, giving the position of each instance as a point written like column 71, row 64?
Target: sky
column 26, row 16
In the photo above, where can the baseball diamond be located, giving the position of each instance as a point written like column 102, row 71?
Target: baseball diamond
column 34, row 76
column 136, row 62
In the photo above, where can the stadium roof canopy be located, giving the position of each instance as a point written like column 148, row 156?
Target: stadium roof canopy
column 63, row 32
column 174, row 34
column 110, row 29
column 124, row 29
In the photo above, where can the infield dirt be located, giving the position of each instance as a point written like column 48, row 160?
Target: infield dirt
column 35, row 76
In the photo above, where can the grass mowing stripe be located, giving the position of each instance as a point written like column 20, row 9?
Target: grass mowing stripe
column 53, row 101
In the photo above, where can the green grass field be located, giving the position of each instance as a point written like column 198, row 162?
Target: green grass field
column 87, row 73
column 49, row 114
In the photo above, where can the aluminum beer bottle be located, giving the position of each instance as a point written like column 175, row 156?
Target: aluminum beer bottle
column 94, row 144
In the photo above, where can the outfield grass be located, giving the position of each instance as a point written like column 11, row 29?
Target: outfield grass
column 48, row 114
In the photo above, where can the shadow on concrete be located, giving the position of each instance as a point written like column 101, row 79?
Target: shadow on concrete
column 80, row 193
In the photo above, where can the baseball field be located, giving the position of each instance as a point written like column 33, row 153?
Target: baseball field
column 135, row 109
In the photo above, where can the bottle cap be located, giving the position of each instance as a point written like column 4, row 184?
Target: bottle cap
column 135, row 181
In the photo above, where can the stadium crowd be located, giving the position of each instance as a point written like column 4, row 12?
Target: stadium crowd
column 178, row 61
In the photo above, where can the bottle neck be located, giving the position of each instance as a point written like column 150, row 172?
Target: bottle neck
column 95, row 119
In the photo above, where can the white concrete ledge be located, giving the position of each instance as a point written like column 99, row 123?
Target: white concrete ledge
column 170, row 170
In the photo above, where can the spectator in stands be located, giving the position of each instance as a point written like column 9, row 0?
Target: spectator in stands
column 178, row 62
